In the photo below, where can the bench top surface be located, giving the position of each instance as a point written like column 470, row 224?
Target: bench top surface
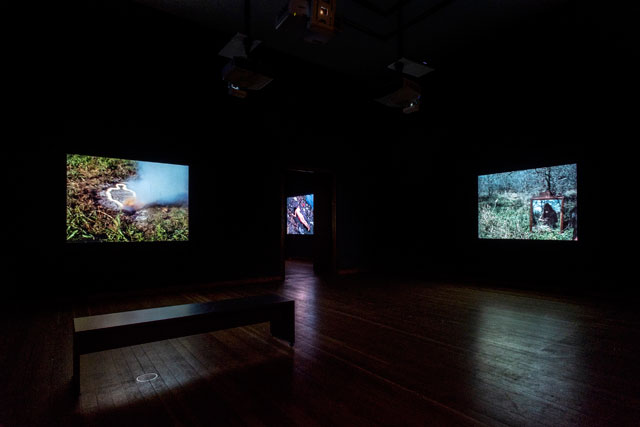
column 112, row 320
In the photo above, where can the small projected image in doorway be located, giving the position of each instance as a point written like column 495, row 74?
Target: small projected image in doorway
column 300, row 214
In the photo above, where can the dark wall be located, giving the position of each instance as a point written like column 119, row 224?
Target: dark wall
column 524, row 100
column 234, row 211
column 117, row 79
column 429, row 223
column 120, row 80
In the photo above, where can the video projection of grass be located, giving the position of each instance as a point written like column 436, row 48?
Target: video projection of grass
column 504, row 203
column 91, row 218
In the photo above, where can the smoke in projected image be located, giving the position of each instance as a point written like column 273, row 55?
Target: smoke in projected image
column 300, row 214
column 120, row 200
column 531, row 204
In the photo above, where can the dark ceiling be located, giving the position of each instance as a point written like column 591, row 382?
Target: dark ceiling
column 491, row 58
column 373, row 32
column 444, row 33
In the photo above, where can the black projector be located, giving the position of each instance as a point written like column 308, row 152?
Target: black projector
column 244, row 74
column 402, row 93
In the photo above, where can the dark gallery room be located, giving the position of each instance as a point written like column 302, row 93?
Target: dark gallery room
column 319, row 212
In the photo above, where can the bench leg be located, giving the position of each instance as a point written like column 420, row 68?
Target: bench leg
column 283, row 324
column 75, row 380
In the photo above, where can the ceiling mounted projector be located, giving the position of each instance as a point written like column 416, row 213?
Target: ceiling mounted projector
column 411, row 68
column 312, row 20
column 293, row 17
column 243, row 73
column 237, row 47
column 404, row 91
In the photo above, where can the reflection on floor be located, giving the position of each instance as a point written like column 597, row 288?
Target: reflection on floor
column 369, row 350
column 298, row 268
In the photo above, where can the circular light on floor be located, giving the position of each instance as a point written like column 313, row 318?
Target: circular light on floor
column 144, row 378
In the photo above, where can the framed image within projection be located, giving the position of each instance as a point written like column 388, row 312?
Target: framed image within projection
column 119, row 200
column 300, row 214
column 531, row 204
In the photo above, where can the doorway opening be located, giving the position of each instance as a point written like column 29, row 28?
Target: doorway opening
column 308, row 220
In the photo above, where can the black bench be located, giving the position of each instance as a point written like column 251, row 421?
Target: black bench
column 115, row 330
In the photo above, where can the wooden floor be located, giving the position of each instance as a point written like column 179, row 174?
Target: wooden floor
column 369, row 351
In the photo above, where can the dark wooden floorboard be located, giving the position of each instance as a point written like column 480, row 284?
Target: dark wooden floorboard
column 369, row 351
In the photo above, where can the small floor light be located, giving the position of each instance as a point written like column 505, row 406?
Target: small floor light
column 145, row 378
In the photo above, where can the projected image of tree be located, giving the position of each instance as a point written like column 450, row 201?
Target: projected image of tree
column 538, row 204
column 118, row 200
